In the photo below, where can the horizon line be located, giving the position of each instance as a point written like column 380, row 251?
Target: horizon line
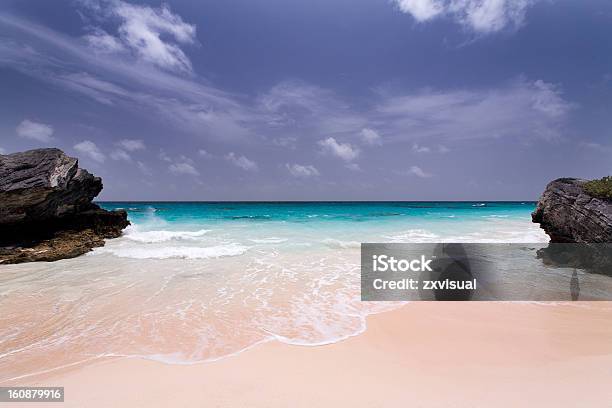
column 315, row 201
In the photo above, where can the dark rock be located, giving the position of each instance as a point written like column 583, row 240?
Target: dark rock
column 568, row 214
column 46, row 209
column 579, row 226
column 42, row 184
column 63, row 245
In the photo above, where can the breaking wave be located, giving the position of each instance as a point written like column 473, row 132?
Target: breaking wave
column 179, row 252
column 152, row 237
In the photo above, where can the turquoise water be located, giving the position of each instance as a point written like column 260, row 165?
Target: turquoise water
column 185, row 212
column 231, row 227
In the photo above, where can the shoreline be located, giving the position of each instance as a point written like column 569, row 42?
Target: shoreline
column 36, row 377
column 518, row 352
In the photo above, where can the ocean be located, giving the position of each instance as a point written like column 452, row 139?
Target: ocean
column 191, row 281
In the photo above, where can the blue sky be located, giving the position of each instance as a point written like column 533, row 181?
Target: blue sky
column 312, row 100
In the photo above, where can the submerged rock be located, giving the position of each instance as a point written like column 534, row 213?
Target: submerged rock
column 46, row 209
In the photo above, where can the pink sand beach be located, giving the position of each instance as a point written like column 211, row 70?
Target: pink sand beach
column 422, row 354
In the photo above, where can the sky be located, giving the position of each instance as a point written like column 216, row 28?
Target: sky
column 312, row 100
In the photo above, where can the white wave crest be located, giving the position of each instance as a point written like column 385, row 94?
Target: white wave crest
column 415, row 235
column 153, row 237
column 271, row 240
column 183, row 252
column 336, row 243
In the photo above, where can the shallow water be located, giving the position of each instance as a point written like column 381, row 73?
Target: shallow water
column 197, row 281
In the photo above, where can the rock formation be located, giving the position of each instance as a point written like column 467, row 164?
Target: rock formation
column 46, row 209
column 568, row 214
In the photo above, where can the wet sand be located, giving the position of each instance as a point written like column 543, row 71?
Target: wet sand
column 423, row 354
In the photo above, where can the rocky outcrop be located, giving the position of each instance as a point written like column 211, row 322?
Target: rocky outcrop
column 567, row 213
column 46, row 209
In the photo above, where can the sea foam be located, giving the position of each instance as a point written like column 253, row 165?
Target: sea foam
column 340, row 244
column 181, row 252
column 151, row 237
column 270, row 240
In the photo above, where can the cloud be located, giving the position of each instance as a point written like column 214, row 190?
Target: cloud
column 125, row 146
column 597, row 147
column 293, row 100
column 417, row 171
column 183, row 168
column 426, row 149
column 593, row 145
column 421, row 10
column 205, row 154
column 2, row 151
column 146, row 170
column 353, row 166
column 520, row 109
column 131, row 145
column 154, row 35
column 343, row 151
column 185, row 102
column 547, row 99
column 35, row 131
column 288, row 142
column 481, row 16
column 100, row 90
column 299, row 170
column 90, row 149
column 164, row 156
column 103, row 42
column 179, row 165
column 370, row 136
column 119, row 154
column 241, row 161
column 420, row 149
column 309, row 108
